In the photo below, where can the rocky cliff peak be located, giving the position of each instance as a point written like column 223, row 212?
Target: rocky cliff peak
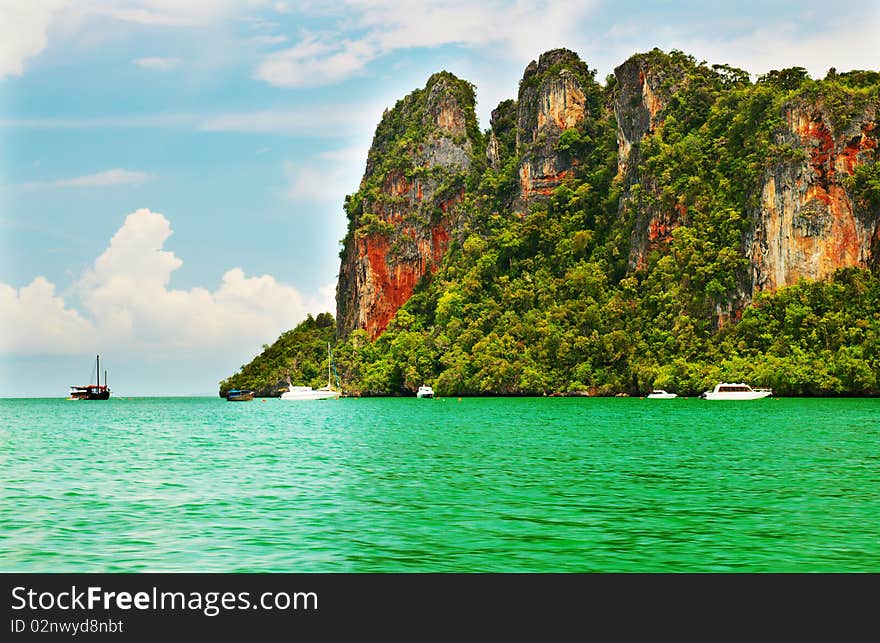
column 645, row 85
column 402, row 217
column 553, row 97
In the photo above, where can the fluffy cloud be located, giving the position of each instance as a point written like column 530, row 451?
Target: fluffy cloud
column 130, row 307
column 24, row 30
column 34, row 320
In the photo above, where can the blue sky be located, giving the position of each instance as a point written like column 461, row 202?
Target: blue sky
column 172, row 173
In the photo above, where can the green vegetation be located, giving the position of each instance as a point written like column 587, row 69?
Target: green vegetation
column 300, row 353
column 551, row 301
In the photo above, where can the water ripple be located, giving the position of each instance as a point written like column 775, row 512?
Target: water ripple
column 517, row 485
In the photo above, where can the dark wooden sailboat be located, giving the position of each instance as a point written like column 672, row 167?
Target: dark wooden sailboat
column 92, row 391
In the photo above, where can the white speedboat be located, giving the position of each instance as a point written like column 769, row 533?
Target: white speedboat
column 295, row 393
column 425, row 391
column 660, row 394
column 740, row 391
column 308, row 393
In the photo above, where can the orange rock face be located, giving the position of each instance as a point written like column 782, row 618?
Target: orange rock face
column 659, row 232
column 806, row 225
column 548, row 104
column 385, row 280
column 544, row 183
column 408, row 218
column 561, row 102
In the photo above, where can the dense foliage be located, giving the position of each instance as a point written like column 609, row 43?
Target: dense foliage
column 300, row 354
column 550, row 301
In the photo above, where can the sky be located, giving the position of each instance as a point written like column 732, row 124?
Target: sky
column 172, row 173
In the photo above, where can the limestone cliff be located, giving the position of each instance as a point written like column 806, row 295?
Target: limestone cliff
column 553, row 98
column 402, row 217
column 645, row 85
column 785, row 184
column 807, row 223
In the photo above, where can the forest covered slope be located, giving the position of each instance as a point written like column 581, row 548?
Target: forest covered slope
column 675, row 226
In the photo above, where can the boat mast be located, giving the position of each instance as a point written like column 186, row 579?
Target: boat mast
column 98, row 369
column 328, row 364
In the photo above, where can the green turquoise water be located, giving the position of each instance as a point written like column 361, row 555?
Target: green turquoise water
column 394, row 485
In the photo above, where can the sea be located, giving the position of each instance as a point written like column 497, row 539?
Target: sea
column 443, row 485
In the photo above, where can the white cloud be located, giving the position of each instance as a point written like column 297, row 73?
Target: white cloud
column 373, row 29
column 844, row 44
column 755, row 43
column 317, row 60
column 25, row 24
column 157, row 63
column 132, row 309
column 24, row 30
column 34, row 320
column 103, row 179
column 169, row 13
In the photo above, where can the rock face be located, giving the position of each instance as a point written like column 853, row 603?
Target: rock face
column 807, row 224
column 402, row 218
column 644, row 88
column 643, row 91
column 552, row 99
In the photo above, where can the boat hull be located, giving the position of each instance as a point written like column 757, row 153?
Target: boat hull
column 730, row 396
column 661, row 396
column 309, row 395
column 103, row 395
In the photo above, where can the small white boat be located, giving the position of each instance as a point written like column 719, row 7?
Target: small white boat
column 308, row 393
column 295, row 393
column 425, row 391
column 660, row 394
column 739, row 391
